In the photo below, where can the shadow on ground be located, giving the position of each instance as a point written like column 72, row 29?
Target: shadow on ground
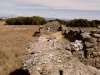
column 19, row 72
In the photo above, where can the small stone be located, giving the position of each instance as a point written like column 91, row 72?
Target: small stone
column 98, row 27
column 98, row 40
column 95, row 54
column 96, row 35
column 98, row 62
column 90, row 45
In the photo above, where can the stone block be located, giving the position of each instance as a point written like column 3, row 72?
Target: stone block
column 96, row 35
column 90, row 52
column 90, row 61
column 78, row 54
column 95, row 54
column 98, row 62
column 90, row 45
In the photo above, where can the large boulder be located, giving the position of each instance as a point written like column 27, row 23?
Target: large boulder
column 52, row 26
column 87, row 37
column 77, row 45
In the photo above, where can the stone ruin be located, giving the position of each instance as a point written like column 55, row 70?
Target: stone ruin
column 90, row 54
column 51, row 56
column 52, row 26
column 47, row 28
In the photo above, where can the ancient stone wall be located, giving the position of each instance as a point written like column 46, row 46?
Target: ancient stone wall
column 49, row 56
column 90, row 54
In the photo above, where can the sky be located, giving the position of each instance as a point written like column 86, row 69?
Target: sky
column 62, row 9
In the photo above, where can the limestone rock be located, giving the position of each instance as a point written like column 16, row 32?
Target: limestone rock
column 52, row 26
column 86, row 35
column 77, row 45
column 78, row 54
column 90, row 45
column 98, row 27
column 96, row 35
column 98, row 62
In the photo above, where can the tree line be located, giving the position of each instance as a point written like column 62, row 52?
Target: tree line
column 83, row 23
column 35, row 20
column 79, row 22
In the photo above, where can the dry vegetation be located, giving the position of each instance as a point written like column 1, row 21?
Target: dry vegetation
column 13, row 44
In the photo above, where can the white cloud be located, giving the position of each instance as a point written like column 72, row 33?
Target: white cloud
column 56, row 4
column 7, row 4
column 52, row 13
column 67, row 4
column 33, row 7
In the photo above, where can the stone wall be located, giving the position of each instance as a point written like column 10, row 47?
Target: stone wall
column 49, row 56
column 92, row 43
column 90, row 54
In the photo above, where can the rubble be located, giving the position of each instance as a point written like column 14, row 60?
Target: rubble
column 51, row 56
column 90, row 42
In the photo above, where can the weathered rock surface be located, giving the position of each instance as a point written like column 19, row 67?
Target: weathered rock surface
column 52, row 26
column 77, row 45
column 48, row 56
column 98, row 27
column 51, row 56
column 91, row 45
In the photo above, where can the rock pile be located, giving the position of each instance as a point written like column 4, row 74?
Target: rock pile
column 51, row 56
column 48, row 28
column 92, row 44
column 90, row 54
column 52, row 26
column 48, row 56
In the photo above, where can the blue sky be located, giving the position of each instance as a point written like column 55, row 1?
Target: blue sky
column 64, row 9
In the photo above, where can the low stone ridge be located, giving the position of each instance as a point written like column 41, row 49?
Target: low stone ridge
column 90, row 54
column 50, row 56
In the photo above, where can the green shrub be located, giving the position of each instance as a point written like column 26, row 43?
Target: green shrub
column 35, row 20
column 83, row 23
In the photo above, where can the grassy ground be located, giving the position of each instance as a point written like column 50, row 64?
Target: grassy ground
column 13, row 43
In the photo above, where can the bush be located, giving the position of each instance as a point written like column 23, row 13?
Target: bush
column 35, row 20
column 83, row 23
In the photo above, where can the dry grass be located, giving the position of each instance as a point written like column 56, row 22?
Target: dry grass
column 13, row 44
